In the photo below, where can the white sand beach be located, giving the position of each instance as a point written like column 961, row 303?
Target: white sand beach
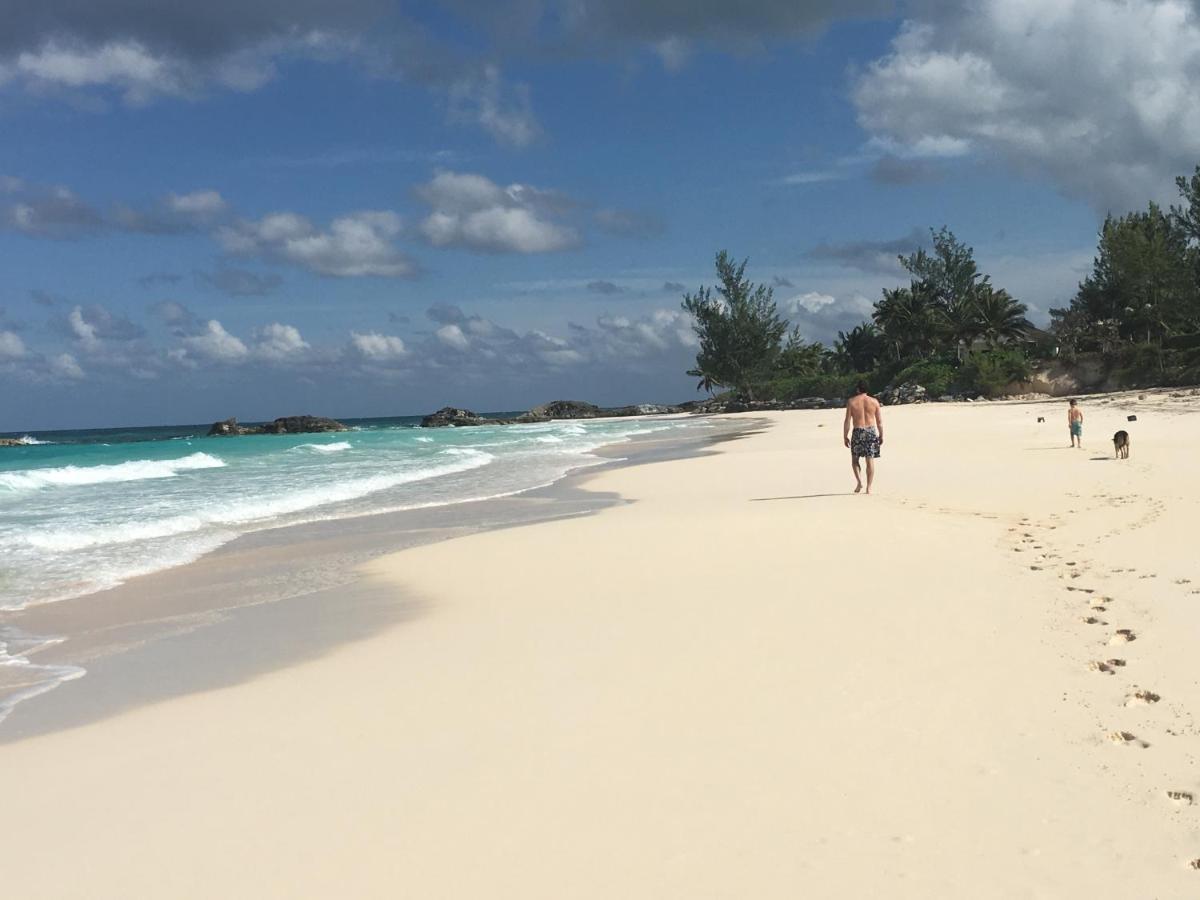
column 745, row 682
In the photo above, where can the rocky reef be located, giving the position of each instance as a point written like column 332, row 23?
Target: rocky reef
column 282, row 425
column 452, row 416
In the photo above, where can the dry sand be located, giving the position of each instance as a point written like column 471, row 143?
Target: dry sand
column 747, row 683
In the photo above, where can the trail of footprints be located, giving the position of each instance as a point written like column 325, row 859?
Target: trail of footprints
column 1027, row 540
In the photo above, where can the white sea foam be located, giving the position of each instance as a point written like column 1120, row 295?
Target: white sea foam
column 324, row 448
column 30, row 440
column 134, row 470
column 246, row 512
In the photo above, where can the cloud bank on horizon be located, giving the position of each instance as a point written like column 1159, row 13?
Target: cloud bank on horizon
column 487, row 202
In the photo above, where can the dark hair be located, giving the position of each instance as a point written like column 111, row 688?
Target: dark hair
column 861, row 387
column 1072, row 402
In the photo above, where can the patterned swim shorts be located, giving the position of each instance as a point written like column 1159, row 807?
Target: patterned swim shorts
column 864, row 442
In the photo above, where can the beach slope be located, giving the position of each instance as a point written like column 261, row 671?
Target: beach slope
column 744, row 682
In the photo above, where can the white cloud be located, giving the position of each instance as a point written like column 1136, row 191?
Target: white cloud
column 472, row 211
column 452, row 336
column 503, row 110
column 202, row 204
column 1100, row 95
column 11, row 345
column 810, row 302
column 819, row 177
column 378, row 347
column 64, row 365
column 216, row 344
column 84, row 331
column 277, row 342
column 355, row 245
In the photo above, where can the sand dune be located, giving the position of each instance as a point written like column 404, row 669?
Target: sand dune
column 747, row 682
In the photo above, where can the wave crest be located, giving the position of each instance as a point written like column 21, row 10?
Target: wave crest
column 134, row 470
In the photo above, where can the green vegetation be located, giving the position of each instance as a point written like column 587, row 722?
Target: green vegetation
column 1137, row 316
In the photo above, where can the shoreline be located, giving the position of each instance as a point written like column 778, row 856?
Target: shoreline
column 739, row 680
column 303, row 580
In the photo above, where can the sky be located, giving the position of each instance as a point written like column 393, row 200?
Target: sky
column 257, row 208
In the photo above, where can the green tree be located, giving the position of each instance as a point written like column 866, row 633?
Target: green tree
column 739, row 327
column 905, row 317
column 999, row 318
column 860, row 349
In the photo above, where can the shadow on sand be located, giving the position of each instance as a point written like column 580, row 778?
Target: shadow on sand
column 801, row 497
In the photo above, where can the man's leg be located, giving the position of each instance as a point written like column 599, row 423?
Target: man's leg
column 870, row 473
column 857, row 471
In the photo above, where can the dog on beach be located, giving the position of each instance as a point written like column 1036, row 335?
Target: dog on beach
column 1121, row 444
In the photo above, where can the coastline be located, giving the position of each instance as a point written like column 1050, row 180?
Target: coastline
column 202, row 625
column 738, row 680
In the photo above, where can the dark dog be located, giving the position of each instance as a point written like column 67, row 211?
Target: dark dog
column 1121, row 444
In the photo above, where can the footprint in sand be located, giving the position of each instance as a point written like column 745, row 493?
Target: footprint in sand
column 1094, row 608
column 1096, row 666
column 1182, row 798
column 1123, row 636
column 1183, row 581
column 1142, row 698
column 1091, row 620
column 1036, row 568
column 1127, row 739
column 1195, row 864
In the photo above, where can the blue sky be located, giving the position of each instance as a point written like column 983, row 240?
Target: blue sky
column 262, row 207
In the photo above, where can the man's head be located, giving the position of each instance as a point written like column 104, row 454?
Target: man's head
column 861, row 388
column 1072, row 402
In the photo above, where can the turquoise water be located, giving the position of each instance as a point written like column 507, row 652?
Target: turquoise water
column 82, row 511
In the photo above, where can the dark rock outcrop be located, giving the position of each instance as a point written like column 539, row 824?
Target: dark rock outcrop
column 282, row 425
column 12, row 442
column 453, row 417
column 904, row 393
column 565, row 409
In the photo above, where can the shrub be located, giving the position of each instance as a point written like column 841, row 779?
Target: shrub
column 936, row 376
column 989, row 372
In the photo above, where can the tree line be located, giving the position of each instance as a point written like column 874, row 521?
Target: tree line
column 953, row 331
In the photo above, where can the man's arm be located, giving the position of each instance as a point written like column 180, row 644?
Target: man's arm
column 846, row 426
column 879, row 421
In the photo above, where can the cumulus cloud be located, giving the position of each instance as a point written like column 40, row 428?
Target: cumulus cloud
column 11, row 345
column 674, row 287
column 354, row 245
column 65, row 366
column 473, row 212
column 215, row 344
column 604, row 287
column 820, row 316
column 173, row 214
column 278, row 342
column 379, row 348
column 1100, row 96
column 91, row 326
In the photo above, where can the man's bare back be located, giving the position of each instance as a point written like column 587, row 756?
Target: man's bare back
column 863, row 411
column 865, row 414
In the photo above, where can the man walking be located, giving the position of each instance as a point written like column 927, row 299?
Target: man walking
column 865, row 414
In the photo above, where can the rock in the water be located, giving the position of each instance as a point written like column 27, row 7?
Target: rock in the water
column 566, row 409
column 282, row 425
column 12, row 442
column 452, row 416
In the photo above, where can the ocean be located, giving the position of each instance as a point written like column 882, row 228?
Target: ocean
column 82, row 511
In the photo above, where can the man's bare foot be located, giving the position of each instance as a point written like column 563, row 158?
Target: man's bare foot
column 858, row 489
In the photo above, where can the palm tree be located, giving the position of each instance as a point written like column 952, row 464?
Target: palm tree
column 905, row 316
column 706, row 380
column 1000, row 317
column 958, row 320
column 859, row 349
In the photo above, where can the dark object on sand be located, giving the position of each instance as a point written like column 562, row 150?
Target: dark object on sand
column 283, row 425
column 1041, row 419
column 1131, row 418
column 1121, row 444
